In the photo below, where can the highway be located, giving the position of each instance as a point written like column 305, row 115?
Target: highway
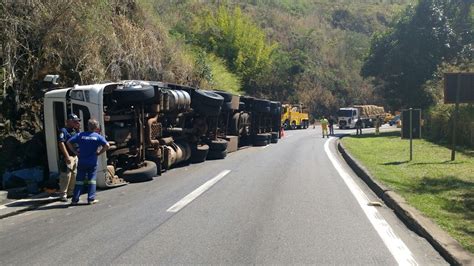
column 295, row 202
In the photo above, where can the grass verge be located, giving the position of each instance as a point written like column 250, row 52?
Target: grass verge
column 441, row 189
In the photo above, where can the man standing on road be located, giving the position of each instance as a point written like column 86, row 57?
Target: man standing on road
column 331, row 125
column 89, row 143
column 68, row 160
column 358, row 126
column 324, row 126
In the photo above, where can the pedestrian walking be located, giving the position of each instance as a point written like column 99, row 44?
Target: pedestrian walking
column 91, row 145
column 324, row 126
column 67, row 157
column 331, row 122
column 378, row 123
column 358, row 126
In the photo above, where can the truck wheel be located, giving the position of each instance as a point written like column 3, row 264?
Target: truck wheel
column 145, row 173
column 227, row 106
column 227, row 96
column 259, row 143
column 207, row 98
column 261, row 137
column 216, row 155
column 262, row 106
column 218, row 145
column 274, row 138
column 199, row 153
column 207, row 110
column 134, row 95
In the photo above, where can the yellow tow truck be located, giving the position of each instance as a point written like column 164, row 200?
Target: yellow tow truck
column 293, row 116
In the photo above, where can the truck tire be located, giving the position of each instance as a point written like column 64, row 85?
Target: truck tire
column 218, row 145
column 207, row 110
column 128, row 95
column 259, row 143
column 145, row 173
column 199, row 153
column 293, row 125
column 227, row 106
column 216, row 155
column 262, row 106
column 274, row 107
column 261, row 137
column 208, row 98
column 274, row 138
column 226, row 95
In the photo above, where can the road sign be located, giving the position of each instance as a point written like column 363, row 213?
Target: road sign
column 415, row 122
column 466, row 87
column 411, row 126
column 458, row 88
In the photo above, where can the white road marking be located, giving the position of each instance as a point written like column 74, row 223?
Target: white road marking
column 395, row 245
column 197, row 192
column 264, row 147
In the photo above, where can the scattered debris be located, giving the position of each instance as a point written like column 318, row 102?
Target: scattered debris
column 375, row 203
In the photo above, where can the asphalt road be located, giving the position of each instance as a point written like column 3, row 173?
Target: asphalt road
column 288, row 203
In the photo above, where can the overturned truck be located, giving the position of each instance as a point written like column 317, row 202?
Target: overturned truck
column 152, row 126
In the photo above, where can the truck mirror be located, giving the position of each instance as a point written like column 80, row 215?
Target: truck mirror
column 53, row 79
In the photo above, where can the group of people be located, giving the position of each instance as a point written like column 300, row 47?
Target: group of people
column 78, row 157
column 328, row 123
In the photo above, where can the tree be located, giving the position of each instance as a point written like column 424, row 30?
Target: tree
column 235, row 38
column 405, row 57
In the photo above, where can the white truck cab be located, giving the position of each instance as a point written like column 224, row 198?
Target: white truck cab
column 347, row 117
column 86, row 102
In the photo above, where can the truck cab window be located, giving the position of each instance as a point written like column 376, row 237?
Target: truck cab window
column 77, row 95
column 59, row 114
column 83, row 112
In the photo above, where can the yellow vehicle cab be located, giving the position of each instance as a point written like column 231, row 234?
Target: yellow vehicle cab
column 293, row 116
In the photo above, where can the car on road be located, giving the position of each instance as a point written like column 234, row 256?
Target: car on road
column 395, row 120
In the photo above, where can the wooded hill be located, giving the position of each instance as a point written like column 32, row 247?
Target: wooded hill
column 309, row 51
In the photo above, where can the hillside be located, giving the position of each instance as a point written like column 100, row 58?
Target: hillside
column 316, row 47
column 320, row 45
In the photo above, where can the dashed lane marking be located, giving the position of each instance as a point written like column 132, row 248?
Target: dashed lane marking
column 197, row 192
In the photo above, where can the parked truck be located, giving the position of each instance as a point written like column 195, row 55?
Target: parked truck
column 348, row 116
column 293, row 116
column 151, row 126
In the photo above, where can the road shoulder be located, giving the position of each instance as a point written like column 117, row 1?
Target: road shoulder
column 449, row 248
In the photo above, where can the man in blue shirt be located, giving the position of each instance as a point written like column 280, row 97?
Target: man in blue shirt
column 68, row 160
column 91, row 145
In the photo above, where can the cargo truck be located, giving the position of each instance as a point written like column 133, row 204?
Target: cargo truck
column 348, row 116
column 151, row 126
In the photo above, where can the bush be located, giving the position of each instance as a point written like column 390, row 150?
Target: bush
column 439, row 123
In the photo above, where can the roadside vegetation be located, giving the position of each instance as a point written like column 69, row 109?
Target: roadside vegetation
column 294, row 51
column 441, row 189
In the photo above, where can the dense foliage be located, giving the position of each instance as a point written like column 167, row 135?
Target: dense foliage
column 406, row 56
column 295, row 51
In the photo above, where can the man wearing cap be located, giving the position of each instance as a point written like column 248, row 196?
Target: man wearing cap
column 68, row 160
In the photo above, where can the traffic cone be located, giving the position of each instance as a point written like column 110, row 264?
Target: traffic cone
column 282, row 132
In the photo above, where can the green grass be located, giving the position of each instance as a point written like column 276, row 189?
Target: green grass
column 441, row 189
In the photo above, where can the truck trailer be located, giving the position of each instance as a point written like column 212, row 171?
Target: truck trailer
column 152, row 126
